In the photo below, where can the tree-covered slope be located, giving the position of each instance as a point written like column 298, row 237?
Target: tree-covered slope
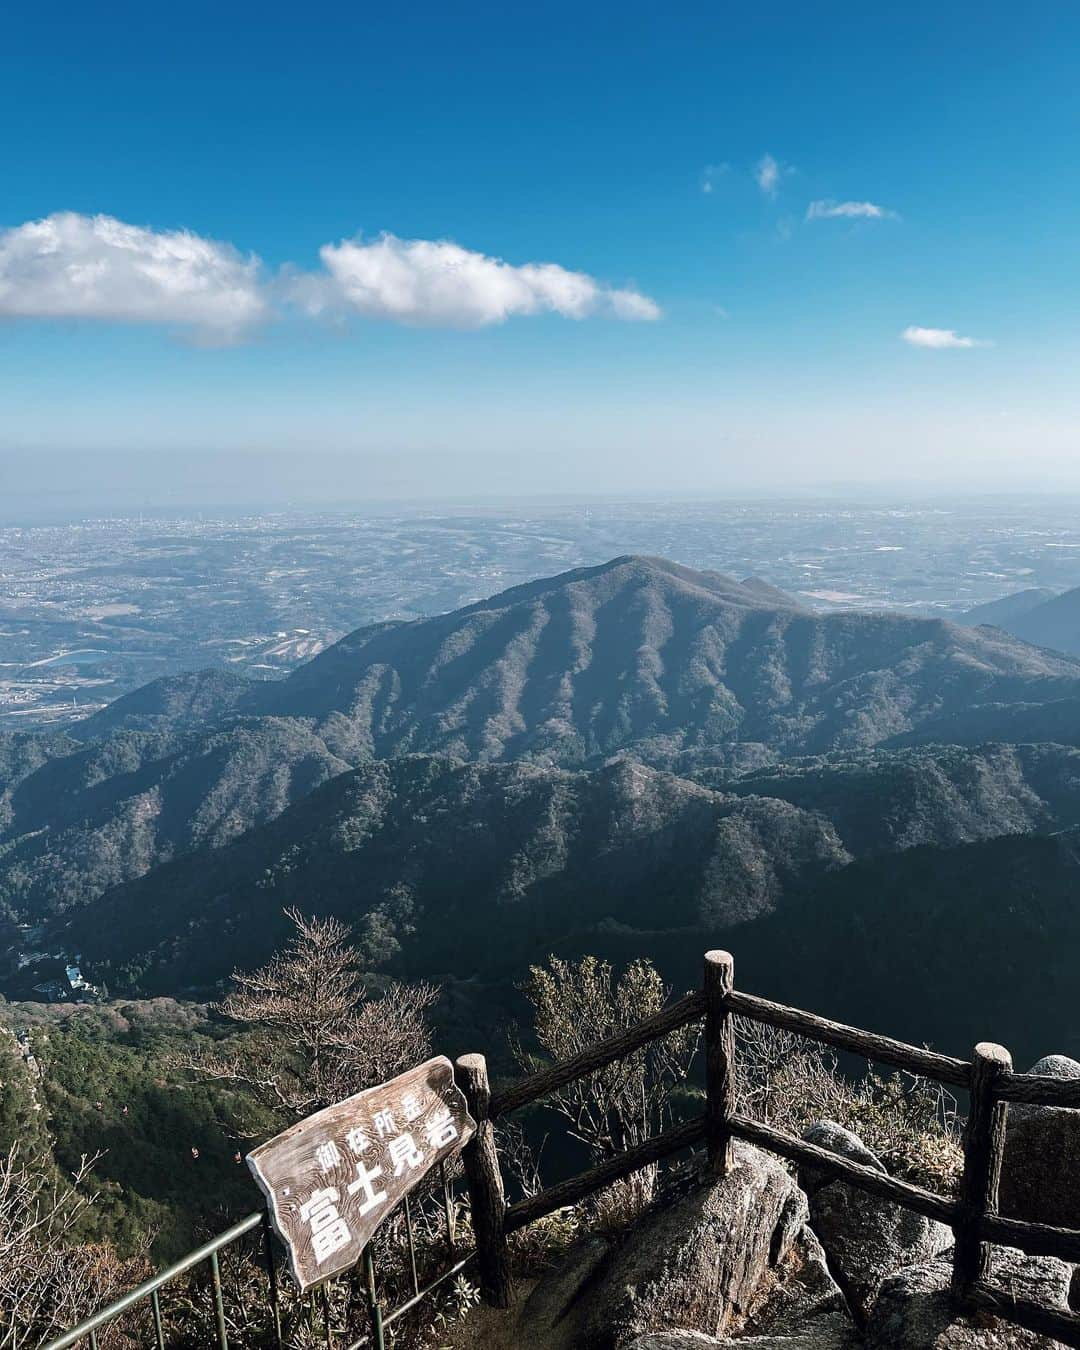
column 945, row 946
column 881, row 801
column 113, row 809
column 447, row 867
column 644, row 654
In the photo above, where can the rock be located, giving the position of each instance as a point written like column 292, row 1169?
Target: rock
column 828, row 1134
column 675, row 1340
column 700, row 1260
column 556, row 1296
column 913, row 1309
column 866, row 1239
column 802, row 1293
column 1040, row 1174
column 834, row 1332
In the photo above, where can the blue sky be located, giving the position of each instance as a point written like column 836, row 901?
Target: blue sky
column 693, row 339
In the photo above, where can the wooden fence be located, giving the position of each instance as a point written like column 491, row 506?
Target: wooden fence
column 987, row 1077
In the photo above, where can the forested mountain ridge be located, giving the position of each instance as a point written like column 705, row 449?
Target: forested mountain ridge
column 637, row 653
column 103, row 813
column 643, row 654
column 429, row 857
column 682, row 669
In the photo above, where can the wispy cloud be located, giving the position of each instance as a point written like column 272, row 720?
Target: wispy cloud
column 768, row 173
column 71, row 266
column 710, row 173
column 437, row 283
column 829, row 210
column 939, row 338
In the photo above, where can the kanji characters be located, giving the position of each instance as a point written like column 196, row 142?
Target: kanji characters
column 384, row 1123
column 440, row 1128
column 404, row 1153
column 327, row 1155
column 365, row 1183
column 412, row 1108
column 329, row 1231
column 357, row 1141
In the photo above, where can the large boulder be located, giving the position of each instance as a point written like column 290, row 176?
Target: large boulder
column 837, row 1139
column 914, row 1309
column 701, row 1260
column 866, row 1238
column 1040, row 1174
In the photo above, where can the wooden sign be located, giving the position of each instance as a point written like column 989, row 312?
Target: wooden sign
column 332, row 1179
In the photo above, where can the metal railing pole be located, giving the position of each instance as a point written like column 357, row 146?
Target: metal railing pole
column 373, row 1300
column 412, row 1245
column 271, row 1276
column 159, row 1329
column 448, row 1207
column 219, row 1302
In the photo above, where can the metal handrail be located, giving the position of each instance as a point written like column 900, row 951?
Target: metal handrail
column 150, row 1287
column 89, row 1327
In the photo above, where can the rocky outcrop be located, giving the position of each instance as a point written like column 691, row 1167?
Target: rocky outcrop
column 748, row 1263
column 828, row 1134
column 914, row 1311
column 1040, row 1175
column 866, row 1238
column 701, row 1260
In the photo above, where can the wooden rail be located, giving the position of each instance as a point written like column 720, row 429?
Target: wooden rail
column 1036, row 1089
column 866, row 1044
column 844, row 1169
column 973, row 1216
column 598, row 1056
column 614, row 1169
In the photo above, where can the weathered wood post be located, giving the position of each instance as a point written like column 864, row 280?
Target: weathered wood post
column 719, row 1060
column 484, row 1176
column 984, row 1147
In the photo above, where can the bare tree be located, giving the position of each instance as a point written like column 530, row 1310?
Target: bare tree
column 576, row 1004
column 313, row 1034
column 49, row 1280
column 788, row 1081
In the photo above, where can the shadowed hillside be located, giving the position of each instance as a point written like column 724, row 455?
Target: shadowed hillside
column 448, row 867
column 683, row 669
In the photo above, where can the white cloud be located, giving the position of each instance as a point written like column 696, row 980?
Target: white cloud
column 939, row 338
column 767, row 174
column 430, row 283
column 826, row 210
column 710, row 173
column 97, row 267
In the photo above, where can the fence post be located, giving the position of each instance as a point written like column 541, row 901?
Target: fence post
column 484, row 1176
column 984, row 1147
column 719, row 1060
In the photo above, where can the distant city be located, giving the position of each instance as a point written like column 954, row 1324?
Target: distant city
column 94, row 608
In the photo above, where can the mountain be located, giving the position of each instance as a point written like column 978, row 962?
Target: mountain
column 177, row 702
column 1055, row 623
column 937, row 946
column 1038, row 616
column 1001, row 612
column 448, row 867
column 884, row 801
column 639, row 655
column 645, row 654
column 92, row 816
